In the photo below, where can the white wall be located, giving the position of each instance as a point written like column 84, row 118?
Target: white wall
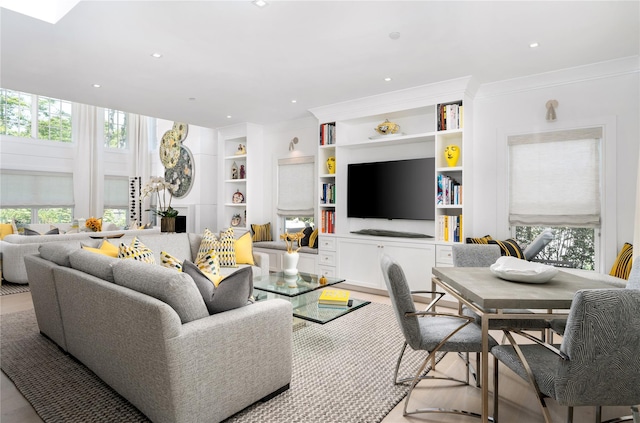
column 605, row 93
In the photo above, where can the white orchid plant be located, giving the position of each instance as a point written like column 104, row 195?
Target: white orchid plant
column 159, row 187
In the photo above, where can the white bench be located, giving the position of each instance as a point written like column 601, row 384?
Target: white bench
column 308, row 262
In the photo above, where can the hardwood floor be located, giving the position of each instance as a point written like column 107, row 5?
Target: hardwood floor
column 517, row 399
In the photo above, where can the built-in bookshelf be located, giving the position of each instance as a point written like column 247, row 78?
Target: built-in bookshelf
column 327, row 180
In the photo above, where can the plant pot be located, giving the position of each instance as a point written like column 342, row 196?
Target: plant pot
column 290, row 263
column 168, row 224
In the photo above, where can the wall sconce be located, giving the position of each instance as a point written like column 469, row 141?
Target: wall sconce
column 292, row 144
column 551, row 110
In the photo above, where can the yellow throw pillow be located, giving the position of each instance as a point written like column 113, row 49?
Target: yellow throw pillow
column 244, row 250
column 215, row 279
column 262, row 232
column 167, row 260
column 5, row 229
column 483, row 240
column 106, row 248
column 313, row 239
column 622, row 266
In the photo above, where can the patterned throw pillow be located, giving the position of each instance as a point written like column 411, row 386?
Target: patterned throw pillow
column 508, row 247
column 622, row 266
column 313, row 239
column 207, row 244
column 261, row 232
column 209, row 263
column 484, row 240
column 225, row 249
column 137, row 251
column 167, row 260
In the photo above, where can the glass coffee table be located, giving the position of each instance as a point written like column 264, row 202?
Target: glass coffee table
column 302, row 290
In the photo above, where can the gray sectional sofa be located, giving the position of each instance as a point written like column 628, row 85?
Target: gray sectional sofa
column 145, row 330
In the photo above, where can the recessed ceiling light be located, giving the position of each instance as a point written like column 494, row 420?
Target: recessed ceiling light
column 260, row 3
column 394, row 35
column 387, row 79
column 156, row 55
column 228, row 116
column 534, row 45
column 96, row 85
column 294, row 101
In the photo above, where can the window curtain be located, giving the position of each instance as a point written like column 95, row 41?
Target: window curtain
column 35, row 189
column 636, row 231
column 295, row 186
column 88, row 183
column 554, row 178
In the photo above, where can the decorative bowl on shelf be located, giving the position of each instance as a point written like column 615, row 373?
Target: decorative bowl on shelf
column 387, row 128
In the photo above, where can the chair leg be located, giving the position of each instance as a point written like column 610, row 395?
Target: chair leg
column 395, row 376
column 495, row 390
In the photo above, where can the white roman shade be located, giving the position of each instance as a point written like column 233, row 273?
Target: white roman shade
column 295, row 186
column 36, row 189
column 554, row 178
column 116, row 195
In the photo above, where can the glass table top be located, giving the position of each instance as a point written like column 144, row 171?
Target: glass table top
column 303, row 291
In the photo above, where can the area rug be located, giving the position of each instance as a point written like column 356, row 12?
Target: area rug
column 9, row 288
column 342, row 372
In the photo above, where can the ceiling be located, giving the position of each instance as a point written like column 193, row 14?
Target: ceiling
column 232, row 58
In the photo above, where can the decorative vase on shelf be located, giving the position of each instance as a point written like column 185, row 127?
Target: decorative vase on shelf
column 290, row 263
column 451, row 154
column 168, row 224
column 331, row 165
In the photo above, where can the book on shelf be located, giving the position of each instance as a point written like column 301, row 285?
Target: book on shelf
column 449, row 191
column 450, row 116
column 327, row 221
column 335, row 297
column 450, row 228
column 327, row 133
column 328, row 193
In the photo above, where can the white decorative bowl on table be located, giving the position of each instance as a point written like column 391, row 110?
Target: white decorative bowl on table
column 517, row 270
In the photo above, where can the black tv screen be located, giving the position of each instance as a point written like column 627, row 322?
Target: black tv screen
column 400, row 189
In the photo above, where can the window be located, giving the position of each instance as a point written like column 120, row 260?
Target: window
column 54, row 119
column 295, row 193
column 15, row 113
column 31, row 116
column 50, row 215
column 554, row 181
column 297, row 223
column 116, row 198
column 115, row 129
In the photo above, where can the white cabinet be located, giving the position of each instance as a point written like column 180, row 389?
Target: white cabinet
column 358, row 261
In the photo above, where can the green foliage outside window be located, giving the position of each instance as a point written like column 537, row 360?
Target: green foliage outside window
column 115, row 216
column 115, row 129
column 55, row 215
column 54, row 119
column 15, row 113
column 571, row 247
column 19, row 215
column 44, row 215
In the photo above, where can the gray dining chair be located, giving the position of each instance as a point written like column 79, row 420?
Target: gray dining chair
column 483, row 255
column 428, row 331
column 597, row 363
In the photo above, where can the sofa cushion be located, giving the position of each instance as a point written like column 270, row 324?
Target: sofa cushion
column 232, row 292
column 307, row 231
column 178, row 290
column 244, row 249
column 225, row 249
column 313, row 239
column 58, row 252
column 261, row 232
column 98, row 265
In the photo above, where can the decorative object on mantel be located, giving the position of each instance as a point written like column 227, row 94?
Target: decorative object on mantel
column 551, row 105
column 238, row 197
column 451, row 154
column 94, row 224
column 387, row 128
column 242, row 150
column 234, row 170
column 158, row 185
column 243, row 172
column 291, row 257
column 181, row 176
column 236, row 220
column 331, row 165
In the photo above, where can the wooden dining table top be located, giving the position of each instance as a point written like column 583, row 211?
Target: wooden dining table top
column 482, row 287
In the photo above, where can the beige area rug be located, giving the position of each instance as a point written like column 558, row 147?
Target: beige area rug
column 363, row 345
column 9, row 288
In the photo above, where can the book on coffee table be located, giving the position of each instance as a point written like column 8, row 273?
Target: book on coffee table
column 335, row 297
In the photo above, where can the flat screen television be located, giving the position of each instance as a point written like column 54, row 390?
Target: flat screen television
column 399, row 189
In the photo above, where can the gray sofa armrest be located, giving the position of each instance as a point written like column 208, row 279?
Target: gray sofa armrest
column 262, row 261
column 13, row 268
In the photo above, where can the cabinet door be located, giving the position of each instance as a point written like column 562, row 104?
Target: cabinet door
column 416, row 261
column 359, row 263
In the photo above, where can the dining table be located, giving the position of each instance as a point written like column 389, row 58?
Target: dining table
column 489, row 296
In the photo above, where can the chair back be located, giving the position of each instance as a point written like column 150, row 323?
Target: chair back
column 474, row 255
column 400, row 296
column 602, row 341
column 634, row 276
